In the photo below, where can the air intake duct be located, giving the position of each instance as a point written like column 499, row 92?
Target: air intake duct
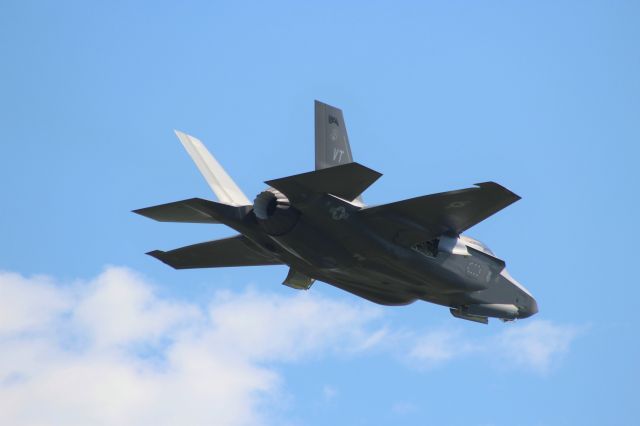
column 274, row 213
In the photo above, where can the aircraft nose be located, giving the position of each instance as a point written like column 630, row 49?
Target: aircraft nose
column 530, row 308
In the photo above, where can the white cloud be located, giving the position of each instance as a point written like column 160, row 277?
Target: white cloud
column 118, row 307
column 534, row 345
column 28, row 304
column 438, row 346
column 110, row 351
column 267, row 327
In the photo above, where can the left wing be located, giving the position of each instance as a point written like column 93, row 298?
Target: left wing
column 423, row 218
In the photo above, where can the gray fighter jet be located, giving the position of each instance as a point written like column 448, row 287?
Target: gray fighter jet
column 317, row 224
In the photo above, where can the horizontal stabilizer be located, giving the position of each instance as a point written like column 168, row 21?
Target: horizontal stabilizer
column 194, row 210
column 346, row 181
column 433, row 215
column 233, row 251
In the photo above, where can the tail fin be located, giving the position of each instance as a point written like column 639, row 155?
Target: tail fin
column 222, row 185
column 332, row 142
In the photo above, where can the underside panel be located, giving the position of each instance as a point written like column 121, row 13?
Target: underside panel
column 380, row 297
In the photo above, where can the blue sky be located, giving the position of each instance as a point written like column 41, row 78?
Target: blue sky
column 542, row 97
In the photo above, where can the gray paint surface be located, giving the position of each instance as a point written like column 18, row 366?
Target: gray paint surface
column 391, row 254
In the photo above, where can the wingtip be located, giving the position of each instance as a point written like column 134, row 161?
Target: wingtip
column 140, row 212
column 495, row 185
column 369, row 169
column 162, row 257
column 155, row 253
column 144, row 213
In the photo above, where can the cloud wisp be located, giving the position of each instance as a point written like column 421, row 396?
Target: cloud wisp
column 111, row 351
column 535, row 346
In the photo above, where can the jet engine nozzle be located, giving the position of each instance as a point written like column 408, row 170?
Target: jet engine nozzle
column 274, row 212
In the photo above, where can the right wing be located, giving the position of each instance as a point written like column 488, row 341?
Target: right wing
column 419, row 219
column 233, row 251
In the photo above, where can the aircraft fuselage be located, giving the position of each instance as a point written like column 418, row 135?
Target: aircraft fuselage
column 329, row 243
column 317, row 224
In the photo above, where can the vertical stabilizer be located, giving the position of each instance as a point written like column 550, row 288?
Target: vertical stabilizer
column 332, row 142
column 222, row 185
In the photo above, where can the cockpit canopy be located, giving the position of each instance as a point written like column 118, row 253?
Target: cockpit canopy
column 475, row 244
column 452, row 245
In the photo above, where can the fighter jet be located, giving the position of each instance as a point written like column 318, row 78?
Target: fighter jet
column 317, row 224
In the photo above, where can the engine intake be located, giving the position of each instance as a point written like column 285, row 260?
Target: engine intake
column 274, row 213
